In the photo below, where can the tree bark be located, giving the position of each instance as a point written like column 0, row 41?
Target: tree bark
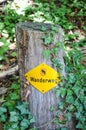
column 30, row 54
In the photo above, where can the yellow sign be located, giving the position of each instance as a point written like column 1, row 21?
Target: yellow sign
column 43, row 77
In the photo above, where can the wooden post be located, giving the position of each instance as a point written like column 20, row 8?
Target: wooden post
column 30, row 54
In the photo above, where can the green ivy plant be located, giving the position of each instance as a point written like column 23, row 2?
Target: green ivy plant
column 72, row 87
column 18, row 118
column 15, row 114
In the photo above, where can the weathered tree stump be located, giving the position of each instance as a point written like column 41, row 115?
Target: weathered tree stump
column 30, row 54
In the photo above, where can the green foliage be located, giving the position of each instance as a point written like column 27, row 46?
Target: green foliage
column 4, row 48
column 47, row 39
column 8, row 21
column 2, row 114
column 73, row 90
column 13, row 113
column 13, row 96
column 47, row 53
column 13, row 54
column 70, row 15
column 17, row 119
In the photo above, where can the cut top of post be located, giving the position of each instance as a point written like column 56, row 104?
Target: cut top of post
column 37, row 26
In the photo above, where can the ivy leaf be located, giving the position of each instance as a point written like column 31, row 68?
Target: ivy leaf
column 54, row 28
column 80, row 108
column 71, row 78
column 25, row 123
column 23, row 108
column 32, row 120
column 15, row 86
column 47, row 39
column 14, row 96
column 76, row 90
column 15, row 125
column 68, row 116
column 46, row 53
column 79, row 125
column 70, row 99
column 2, row 110
column 43, row 28
column 13, row 116
column 61, row 105
column 13, row 54
column 78, row 114
column 56, row 121
column 52, row 108
column 71, row 107
column 58, row 92
column 3, row 118
column 69, row 92
column 63, row 92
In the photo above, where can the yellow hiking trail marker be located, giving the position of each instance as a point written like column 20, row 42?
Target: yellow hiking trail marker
column 43, row 77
